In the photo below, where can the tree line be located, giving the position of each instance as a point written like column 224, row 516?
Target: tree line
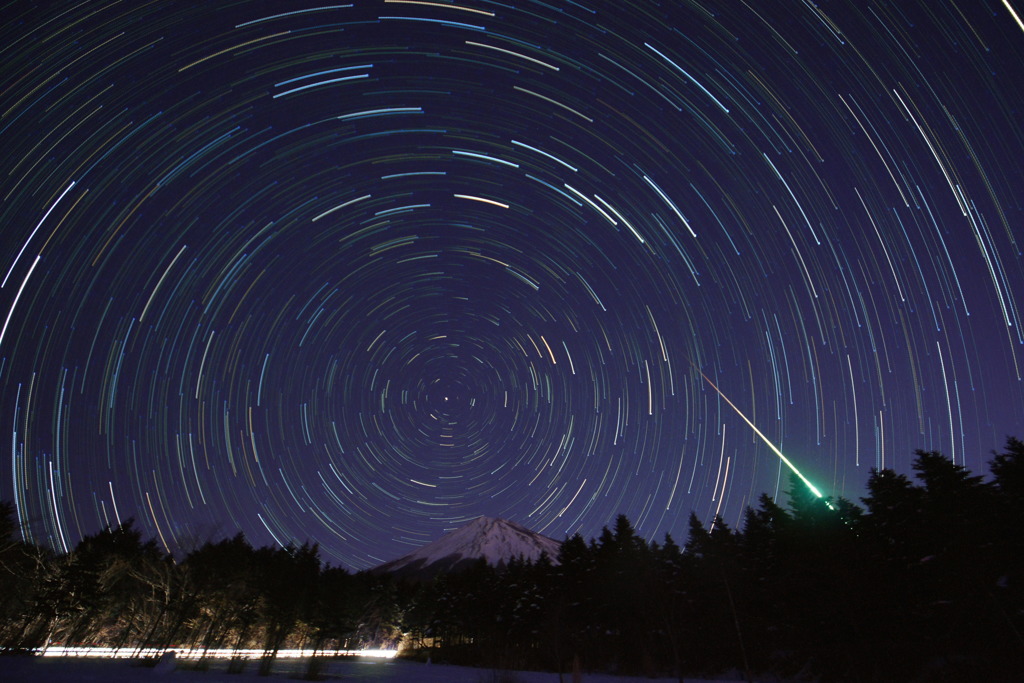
column 116, row 590
column 922, row 581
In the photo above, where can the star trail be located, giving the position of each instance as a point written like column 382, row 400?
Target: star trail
column 359, row 273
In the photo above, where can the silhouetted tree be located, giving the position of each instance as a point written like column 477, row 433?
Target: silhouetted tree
column 336, row 609
column 717, row 640
column 226, row 593
column 566, row 617
column 762, row 567
column 1008, row 593
column 671, row 610
column 21, row 569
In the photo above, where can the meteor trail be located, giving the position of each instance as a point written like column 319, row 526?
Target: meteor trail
column 789, row 464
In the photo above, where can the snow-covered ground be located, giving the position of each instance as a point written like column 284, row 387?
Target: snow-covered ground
column 356, row 670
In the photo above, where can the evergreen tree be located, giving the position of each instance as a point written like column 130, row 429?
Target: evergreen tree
column 957, row 570
column 672, row 613
column 1008, row 471
column 227, row 594
column 762, row 571
column 716, row 642
column 335, row 610
column 286, row 579
column 820, row 585
column 1008, row 593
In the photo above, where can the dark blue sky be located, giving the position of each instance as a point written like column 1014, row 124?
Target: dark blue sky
column 359, row 273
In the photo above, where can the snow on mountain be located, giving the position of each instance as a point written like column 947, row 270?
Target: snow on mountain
column 495, row 540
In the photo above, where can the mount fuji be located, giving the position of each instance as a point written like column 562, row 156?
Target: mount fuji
column 495, row 540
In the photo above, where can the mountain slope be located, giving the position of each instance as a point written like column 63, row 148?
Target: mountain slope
column 495, row 540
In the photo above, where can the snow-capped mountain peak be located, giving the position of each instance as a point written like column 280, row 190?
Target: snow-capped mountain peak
column 495, row 540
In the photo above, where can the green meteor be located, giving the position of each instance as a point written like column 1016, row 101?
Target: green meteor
column 764, row 438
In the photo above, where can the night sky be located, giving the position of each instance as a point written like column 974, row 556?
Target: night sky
column 360, row 273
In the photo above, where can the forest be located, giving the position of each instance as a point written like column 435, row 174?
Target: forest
column 920, row 581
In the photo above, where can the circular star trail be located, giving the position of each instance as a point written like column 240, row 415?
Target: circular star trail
column 358, row 273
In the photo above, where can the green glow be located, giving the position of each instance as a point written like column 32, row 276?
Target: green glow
column 790, row 465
